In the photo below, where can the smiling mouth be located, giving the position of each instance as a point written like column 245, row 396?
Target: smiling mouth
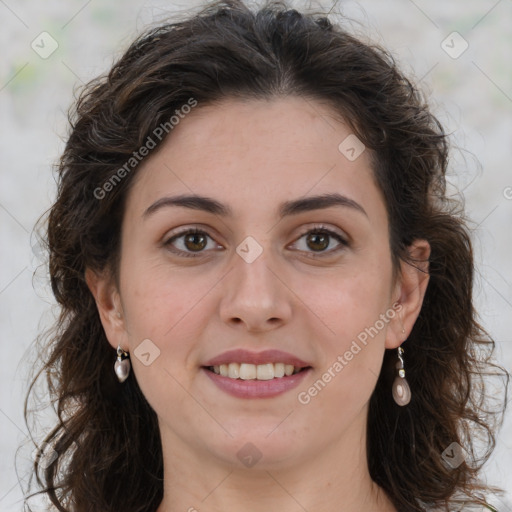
column 247, row 371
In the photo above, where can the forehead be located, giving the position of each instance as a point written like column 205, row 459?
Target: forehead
column 257, row 152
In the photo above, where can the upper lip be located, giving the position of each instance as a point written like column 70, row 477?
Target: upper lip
column 266, row 356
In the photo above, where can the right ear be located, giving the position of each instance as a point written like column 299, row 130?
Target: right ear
column 108, row 302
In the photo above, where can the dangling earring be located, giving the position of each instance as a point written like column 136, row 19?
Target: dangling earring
column 122, row 365
column 401, row 390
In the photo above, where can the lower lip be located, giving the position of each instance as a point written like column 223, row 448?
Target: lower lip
column 257, row 388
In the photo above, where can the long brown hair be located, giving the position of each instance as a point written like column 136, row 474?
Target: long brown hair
column 106, row 440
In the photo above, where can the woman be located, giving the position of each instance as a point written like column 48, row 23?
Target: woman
column 266, row 295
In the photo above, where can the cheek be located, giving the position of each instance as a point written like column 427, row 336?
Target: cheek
column 163, row 320
column 158, row 296
column 170, row 308
column 353, row 301
column 350, row 350
column 354, row 309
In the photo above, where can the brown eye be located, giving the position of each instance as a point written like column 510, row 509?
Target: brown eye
column 318, row 241
column 191, row 243
column 195, row 241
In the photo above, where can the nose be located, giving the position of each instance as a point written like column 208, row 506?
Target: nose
column 255, row 296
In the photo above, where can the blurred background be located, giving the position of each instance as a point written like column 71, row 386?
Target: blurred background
column 459, row 51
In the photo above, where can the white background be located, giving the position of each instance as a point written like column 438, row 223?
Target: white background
column 471, row 94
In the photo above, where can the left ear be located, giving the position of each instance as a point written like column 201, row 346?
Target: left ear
column 410, row 291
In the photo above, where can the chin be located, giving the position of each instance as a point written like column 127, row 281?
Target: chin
column 259, row 448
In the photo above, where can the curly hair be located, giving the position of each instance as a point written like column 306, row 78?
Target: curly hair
column 230, row 51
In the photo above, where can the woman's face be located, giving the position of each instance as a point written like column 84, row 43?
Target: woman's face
column 268, row 269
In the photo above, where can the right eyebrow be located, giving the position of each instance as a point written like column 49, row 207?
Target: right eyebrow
column 194, row 202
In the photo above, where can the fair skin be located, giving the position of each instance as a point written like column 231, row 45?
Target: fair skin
column 251, row 157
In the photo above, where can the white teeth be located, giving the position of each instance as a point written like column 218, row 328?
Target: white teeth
column 278, row 369
column 265, row 371
column 247, row 371
column 233, row 370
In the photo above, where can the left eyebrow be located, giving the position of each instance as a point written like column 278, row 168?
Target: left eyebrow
column 287, row 208
column 318, row 202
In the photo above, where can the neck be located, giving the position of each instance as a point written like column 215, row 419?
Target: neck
column 333, row 480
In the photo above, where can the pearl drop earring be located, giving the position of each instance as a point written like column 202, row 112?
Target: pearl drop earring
column 122, row 365
column 401, row 390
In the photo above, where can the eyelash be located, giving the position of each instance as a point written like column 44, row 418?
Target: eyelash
column 318, row 229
